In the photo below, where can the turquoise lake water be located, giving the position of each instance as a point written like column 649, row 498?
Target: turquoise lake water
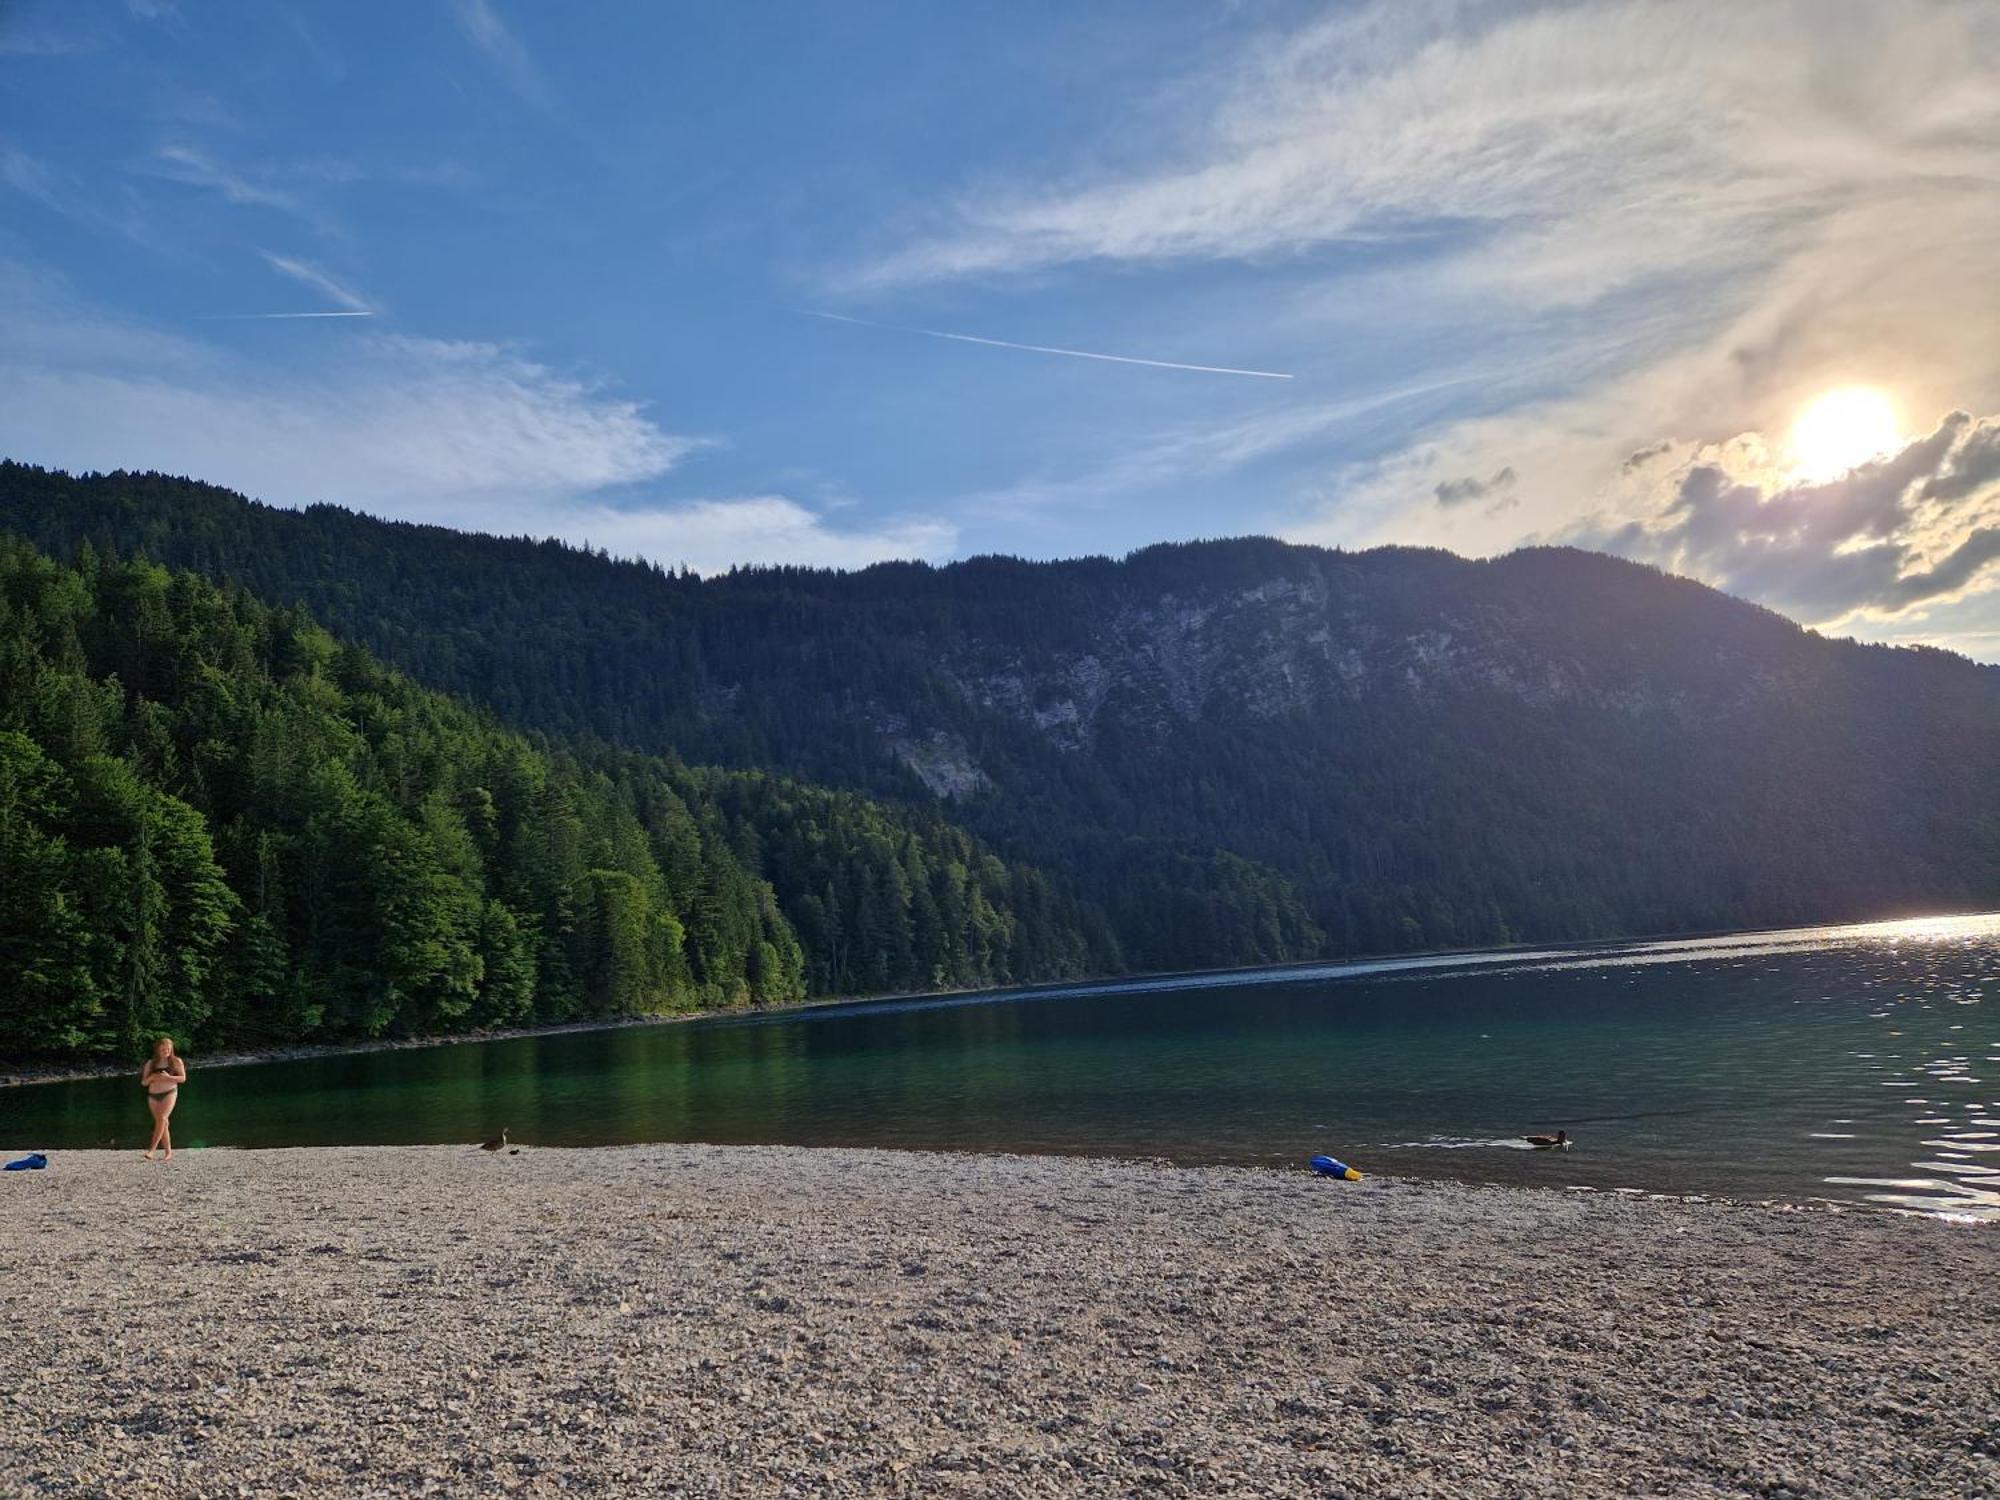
column 1859, row 1064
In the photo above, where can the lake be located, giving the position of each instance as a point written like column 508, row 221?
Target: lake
column 1859, row 1064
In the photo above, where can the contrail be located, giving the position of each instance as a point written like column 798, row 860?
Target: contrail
column 1116, row 359
column 239, row 317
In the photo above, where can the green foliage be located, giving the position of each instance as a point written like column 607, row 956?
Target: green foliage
column 1206, row 754
column 218, row 822
column 889, row 899
column 114, row 912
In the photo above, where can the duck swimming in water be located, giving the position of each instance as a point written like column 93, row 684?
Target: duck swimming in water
column 1557, row 1142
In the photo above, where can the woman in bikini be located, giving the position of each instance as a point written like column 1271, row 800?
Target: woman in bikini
column 162, row 1077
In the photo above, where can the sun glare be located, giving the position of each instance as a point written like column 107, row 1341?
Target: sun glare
column 1842, row 430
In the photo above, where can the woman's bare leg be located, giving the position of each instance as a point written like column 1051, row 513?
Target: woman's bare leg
column 159, row 1128
column 166, row 1128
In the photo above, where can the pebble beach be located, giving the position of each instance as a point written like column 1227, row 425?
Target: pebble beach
column 690, row 1320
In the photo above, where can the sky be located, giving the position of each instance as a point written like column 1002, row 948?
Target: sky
column 1715, row 286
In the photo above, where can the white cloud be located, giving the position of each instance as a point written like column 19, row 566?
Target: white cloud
column 195, row 167
column 49, row 328
column 1203, row 450
column 462, row 434
column 110, row 209
column 1901, row 535
column 308, row 274
column 492, row 36
column 712, row 536
column 1696, row 215
column 15, row 42
column 28, row 175
column 1591, row 145
column 404, row 425
column 1496, row 489
column 398, row 423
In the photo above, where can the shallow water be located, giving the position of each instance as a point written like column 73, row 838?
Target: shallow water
column 1858, row 1064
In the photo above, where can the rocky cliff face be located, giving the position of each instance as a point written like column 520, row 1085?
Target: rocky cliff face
column 1270, row 650
column 940, row 760
column 1232, row 751
column 1301, row 648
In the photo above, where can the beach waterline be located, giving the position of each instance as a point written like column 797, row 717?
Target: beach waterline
column 1858, row 1065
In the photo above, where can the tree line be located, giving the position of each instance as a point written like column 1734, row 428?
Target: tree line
column 1289, row 752
column 219, row 821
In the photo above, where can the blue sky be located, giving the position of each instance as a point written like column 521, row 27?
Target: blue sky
column 657, row 276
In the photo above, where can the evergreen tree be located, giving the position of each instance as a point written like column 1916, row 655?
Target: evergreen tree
column 275, row 839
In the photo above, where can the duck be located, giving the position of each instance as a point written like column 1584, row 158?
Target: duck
column 1557, row 1142
column 498, row 1143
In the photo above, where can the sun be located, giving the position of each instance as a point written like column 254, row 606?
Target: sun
column 1842, row 430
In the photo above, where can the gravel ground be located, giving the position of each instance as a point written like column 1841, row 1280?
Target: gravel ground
column 766, row 1321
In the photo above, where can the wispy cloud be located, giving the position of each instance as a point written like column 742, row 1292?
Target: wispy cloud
column 1116, row 359
column 18, row 42
column 1205, row 450
column 352, row 305
column 457, row 433
column 113, row 209
column 410, row 425
column 509, row 57
column 28, row 175
column 1700, row 215
column 1598, row 143
column 194, row 167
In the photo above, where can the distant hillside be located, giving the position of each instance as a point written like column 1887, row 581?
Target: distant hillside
column 219, row 822
column 1238, row 750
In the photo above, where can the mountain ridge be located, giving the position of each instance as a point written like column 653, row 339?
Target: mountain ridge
column 1245, row 750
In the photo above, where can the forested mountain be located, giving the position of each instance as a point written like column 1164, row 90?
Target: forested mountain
column 219, row 822
column 1237, row 751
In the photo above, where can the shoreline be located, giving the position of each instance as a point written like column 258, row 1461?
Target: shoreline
column 302, row 1051
column 782, row 1320
column 60, row 1072
column 954, row 1156
column 1807, row 1208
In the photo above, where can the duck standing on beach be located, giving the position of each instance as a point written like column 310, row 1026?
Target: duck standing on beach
column 498, row 1143
column 1557, row 1142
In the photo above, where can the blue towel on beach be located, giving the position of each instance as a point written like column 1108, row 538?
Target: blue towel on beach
column 31, row 1163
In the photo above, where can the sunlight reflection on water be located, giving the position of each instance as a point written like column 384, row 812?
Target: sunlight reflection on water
column 1735, row 1066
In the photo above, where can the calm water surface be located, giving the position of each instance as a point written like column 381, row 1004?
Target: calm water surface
column 1860, row 1064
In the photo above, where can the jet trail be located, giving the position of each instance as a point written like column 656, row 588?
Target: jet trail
column 1116, row 359
column 240, row 317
